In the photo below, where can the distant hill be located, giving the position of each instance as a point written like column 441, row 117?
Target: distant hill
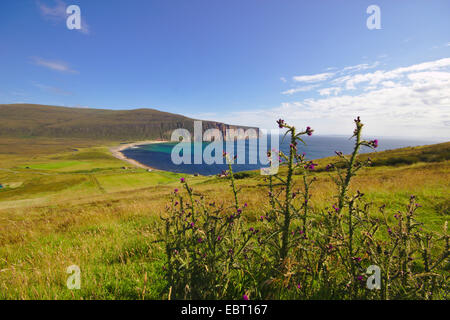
column 31, row 120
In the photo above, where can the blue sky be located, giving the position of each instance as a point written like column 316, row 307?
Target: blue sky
column 245, row 62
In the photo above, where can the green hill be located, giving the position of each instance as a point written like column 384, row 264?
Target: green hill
column 29, row 120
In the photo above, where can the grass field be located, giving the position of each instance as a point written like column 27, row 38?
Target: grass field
column 69, row 202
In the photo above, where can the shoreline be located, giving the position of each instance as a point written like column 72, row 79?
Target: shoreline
column 117, row 153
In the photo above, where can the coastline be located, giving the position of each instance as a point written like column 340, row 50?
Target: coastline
column 117, row 153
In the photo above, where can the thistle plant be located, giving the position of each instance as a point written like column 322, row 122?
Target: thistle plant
column 295, row 250
column 203, row 244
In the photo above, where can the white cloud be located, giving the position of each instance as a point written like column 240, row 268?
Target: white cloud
column 379, row 76
column 299, row 89
column 313, row 78
column 330, row 91
column 359, row 67
column 53, row 65
column 283, row 79
column 55, row 13
column 412, row 101
column 51, row 89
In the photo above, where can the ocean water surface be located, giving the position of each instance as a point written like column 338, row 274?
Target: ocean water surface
column 158, row 155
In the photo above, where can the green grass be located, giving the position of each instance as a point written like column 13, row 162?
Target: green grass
column 81, row 207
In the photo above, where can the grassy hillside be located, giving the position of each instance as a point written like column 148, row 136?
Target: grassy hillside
column 28, row 120
column 74, row 204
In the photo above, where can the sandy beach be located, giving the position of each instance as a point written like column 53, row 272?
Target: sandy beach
column 117, row 152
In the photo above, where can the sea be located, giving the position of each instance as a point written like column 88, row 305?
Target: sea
column 159, row 155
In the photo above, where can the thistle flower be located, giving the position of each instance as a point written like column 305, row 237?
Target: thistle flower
column 245, row 205
column 176, row 190
column 219, row 238
column 245, row 297
column 182, row 180
column 335, row 208
column 374, row 143
column 310, row 165
column 280, row 123
column 309, row 131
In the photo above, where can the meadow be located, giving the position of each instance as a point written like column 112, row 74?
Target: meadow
column 70, row 202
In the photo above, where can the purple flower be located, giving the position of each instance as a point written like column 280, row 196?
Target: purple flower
column 245, row 297
column 239, row 211
column 309, row 131
column 360, row 278
column 251, row 229
column 182, row 180
column 374, row 143
column 176, row 190
column 280, row 123
column 261, row 218
column 192, row 224
column 200, row 240
column 245, row 205
column 219, row 238
column 335, row 208
column 310, row 165
column 299, row 286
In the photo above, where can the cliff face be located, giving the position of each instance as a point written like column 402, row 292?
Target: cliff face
column 26, row 120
